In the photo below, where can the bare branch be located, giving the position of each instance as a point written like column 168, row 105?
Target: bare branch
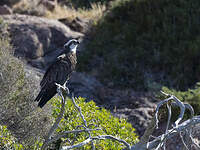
column 79, row 109
column 159, row 141
column 102, row 137
column 83, row 118
column 77, row 145
column 65, row 133
column 193, row 141
column 182, row 139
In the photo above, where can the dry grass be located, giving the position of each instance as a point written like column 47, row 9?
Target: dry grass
column 30, row 7
column 95, row 13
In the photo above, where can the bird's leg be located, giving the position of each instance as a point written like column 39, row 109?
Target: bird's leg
column 66, row 88
column 62, row 89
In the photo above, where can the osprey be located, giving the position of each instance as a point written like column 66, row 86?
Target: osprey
column 58, row 72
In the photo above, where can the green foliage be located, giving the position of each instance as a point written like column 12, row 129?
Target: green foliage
column 17, row 110
column 190, row 96
column 146, row 40
column 7, row 141
column 95, row 116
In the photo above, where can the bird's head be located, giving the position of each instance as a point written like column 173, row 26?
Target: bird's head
column 71, row 45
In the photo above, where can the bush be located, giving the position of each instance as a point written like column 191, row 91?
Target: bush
column 96, row 116
column 139, row 42
column 7, row 141
column 18, row 89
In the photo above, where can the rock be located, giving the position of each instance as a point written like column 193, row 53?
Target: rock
column 49, row 4
column 5, row 10
column 9, row 2
column 77, row 24
column 85, row 86
column 37, row 40
column 137, row 107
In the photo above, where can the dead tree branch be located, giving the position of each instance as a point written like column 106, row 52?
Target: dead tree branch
column 101, row 137
column 177, row 129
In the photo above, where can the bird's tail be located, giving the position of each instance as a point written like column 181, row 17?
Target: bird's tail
column 45, row 98
column 45, row 95
column 39, row 95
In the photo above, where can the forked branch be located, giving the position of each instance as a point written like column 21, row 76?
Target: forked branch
column 177, row 129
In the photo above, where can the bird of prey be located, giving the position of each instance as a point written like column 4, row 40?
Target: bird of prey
column 58, row 72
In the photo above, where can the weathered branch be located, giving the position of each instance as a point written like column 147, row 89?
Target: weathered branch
column 177, row 129
column 101, row 137
column 83, row 118
column 173, row 132
column 65, row 133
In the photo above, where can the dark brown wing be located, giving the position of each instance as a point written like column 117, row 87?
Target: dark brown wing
column 59, row 72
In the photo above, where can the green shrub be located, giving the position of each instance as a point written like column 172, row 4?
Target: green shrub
column 7, row 141
column 17, row 109
column 96, row 116
column 146, row 40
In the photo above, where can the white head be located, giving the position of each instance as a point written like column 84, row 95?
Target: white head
column 71, row 45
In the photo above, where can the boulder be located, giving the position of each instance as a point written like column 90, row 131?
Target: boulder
column 49, row 4
column 9, row 2
column 84, row 85
column 5, row 10
column 37, row 40
column 77, row 24
column 137, row 107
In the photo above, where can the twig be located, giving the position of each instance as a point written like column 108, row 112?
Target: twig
column 185, row 145
column 79, row 109
column 192, row 139
column 65, row 133
column 83, row 118
column 185, row 125
column 102, row 137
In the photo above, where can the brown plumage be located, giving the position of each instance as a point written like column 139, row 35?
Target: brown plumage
column 59, row 72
